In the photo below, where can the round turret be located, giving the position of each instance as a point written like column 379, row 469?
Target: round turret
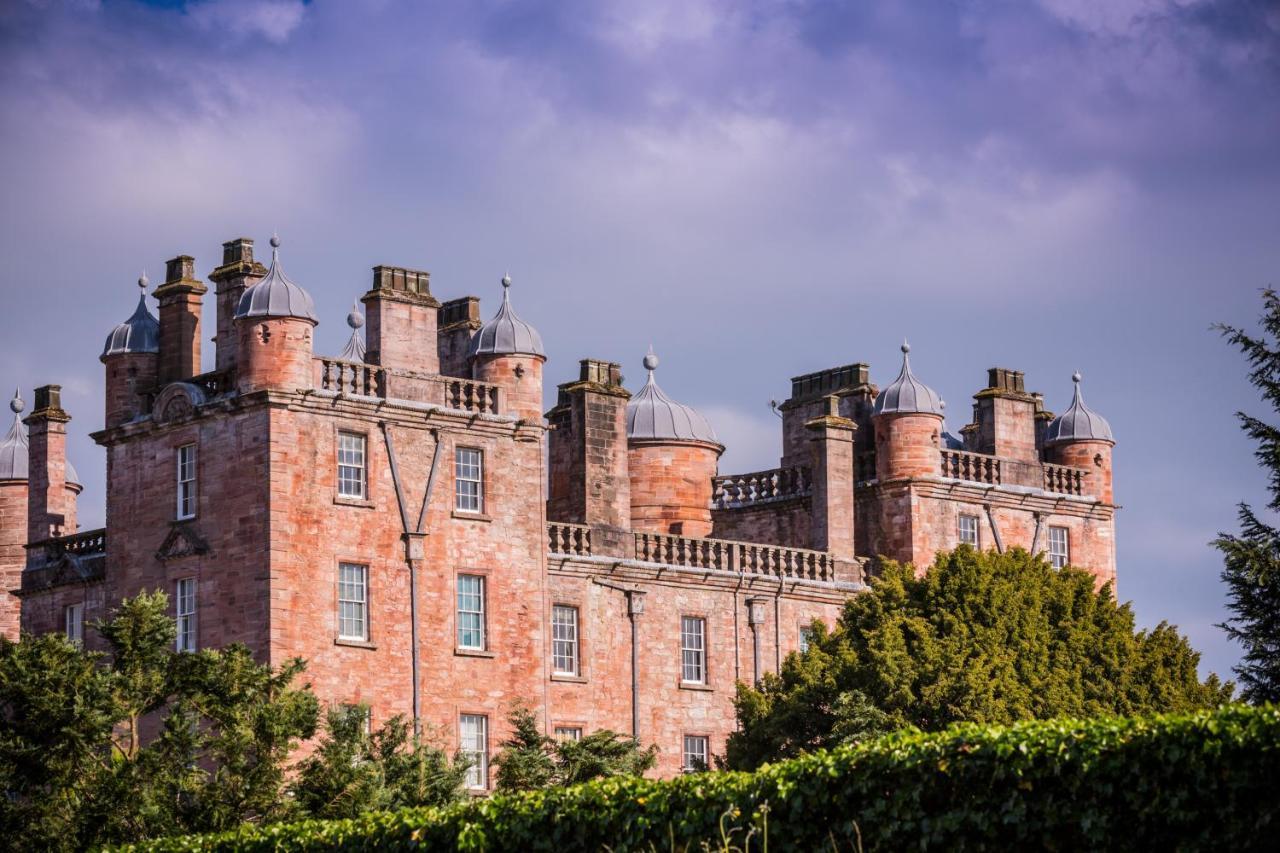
column 1081, row 438
column 274, row 323
column 132, row 359
column 908, row 422
column 672, row 454
column 13, row 516
column 508, row 352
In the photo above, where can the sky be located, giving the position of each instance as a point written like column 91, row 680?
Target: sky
column 757, row 189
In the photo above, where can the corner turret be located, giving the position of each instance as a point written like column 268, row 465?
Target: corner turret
column 908, row 424
column 508, row 352
column 131, row 357
column 1082, row 438
column 274, row 323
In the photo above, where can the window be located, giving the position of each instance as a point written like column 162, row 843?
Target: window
column 564, row 640
column 470, row 612
column 696, row 753
column 185, row 597
column 468, row 467
column 351, row 465
column 693, row 649
column 186, row 481
column 564, row 733
column 353, row 601
column 473, row 736
column 806, row 636
column 1059, row 547
column 73, row 618
column 967, row 530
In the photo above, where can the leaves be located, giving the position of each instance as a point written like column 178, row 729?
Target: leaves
column 530, row 760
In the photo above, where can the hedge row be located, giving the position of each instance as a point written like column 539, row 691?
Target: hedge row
column 1195, row 781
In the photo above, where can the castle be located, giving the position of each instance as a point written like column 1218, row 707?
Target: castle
column 406, row 519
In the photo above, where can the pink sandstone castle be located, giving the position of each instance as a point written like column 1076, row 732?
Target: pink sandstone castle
column 406, row 519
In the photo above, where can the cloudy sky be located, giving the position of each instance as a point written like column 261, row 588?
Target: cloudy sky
column 760, row 189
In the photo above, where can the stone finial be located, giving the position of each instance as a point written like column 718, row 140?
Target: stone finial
column 143, row 281
column 355, row 319
column 17, row 404
column 651, row 360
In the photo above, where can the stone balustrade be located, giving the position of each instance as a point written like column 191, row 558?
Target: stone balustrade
column 571, row 539
column 741, row 490
column 1064, row 479
column 730, row 556
column 352, row 377
column 975, row 467
column 469, row 395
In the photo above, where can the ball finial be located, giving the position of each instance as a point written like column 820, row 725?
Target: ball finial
column 143, row 281
column 1075, row 377
column 16, row 405
column 355, row 319
column 506, row 281
column 651, row 360
column 906, row 347
column 942, row 404
column 275, row 241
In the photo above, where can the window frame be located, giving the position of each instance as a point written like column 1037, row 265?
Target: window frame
column 362, row 467
column 185, row 498
column 478, row 480
column 1061, row 559
column 705, row 756
column 187, row 622
column 686, row 650
column 805, row 638
column 482, row 612
column 362, row 602
column 73, row 617
column 961, row 518
column 479, row 756
column 567, row 733
column 574, row 642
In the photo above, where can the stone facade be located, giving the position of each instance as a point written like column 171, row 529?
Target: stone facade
column 387, row 520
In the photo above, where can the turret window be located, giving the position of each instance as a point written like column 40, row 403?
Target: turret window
column 1059, row 546
column 967, row 530
column 185, row 606
column 186, row 482
column 693, row 650
column 468, row 480
column 351, row 465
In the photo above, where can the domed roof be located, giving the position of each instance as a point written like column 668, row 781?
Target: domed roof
column 13, row 447
column 506, row 334
column 1078, row 423
column 652, row 415
column 140, row 333
column 275, row 295
column 906, row 394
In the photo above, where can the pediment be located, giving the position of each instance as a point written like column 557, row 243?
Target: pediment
column 182, row 541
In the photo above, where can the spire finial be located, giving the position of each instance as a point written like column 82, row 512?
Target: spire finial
column 275, row 248
column 651, row 361
column 143, row 281
column 16, row 405
column 355, row 319
column 906, row 347
column 1075, row 377
column 506, row 287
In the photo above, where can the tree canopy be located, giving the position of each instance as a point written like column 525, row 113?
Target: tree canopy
column 530, row 759
column 981, row 637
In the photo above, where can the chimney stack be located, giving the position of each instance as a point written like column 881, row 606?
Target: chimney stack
column 238, row 272
column 590, row 482
column 400, row 321
column 51, row 505
column 180, row 299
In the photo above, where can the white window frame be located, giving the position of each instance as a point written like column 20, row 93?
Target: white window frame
column 977, row 528
column 566, row 733
column 185, row 457
column 806, row 638
column 473, row 742
column 697, row 748
column 565, row 659
column 693, row 649
column 353, row 602
column 353, row 465
column 1059, row 546
column 468, row 472
column 73, row 622
column 185, row 605
column 472, row 633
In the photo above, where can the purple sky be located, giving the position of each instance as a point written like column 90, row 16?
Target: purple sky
column 758, row 189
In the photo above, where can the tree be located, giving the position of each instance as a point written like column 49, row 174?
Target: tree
column 355, row 771
column 1252, row 558
column 531, row 760
column 983, row 637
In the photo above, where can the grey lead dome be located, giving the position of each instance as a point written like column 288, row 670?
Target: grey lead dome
column 651, row 414
column 907, row 395
column 276, row 295
column 13, row 447
column 1078, row 423
column 506, row 334
column 140, row 333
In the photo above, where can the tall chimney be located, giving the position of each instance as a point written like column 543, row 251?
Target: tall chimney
column 180, row 300
column 238, row 272
column 401, row 317
column 1005, row 415
column 51, row 509
column 590, row 481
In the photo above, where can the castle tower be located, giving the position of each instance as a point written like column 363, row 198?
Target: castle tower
column 13, row 517
column 1081, row 438
column 52, row 482
column 238, row 271
column 180, row 299
column 508, row 352
column 672, row 454
column 908, row 424
column 131, row 356
column 274, row 322
column 588, row 449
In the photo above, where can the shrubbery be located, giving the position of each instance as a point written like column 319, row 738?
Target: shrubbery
column 1204, row 780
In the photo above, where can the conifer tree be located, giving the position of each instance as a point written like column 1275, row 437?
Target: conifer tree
column 531, row 760
column 1252, row 557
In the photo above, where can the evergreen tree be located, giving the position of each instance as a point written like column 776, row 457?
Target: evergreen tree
column 531, row 760
column 983, row 637
column 1252, row 558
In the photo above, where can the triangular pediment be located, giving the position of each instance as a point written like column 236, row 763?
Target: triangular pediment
column 182, row 541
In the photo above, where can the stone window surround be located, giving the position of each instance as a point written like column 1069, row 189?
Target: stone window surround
column 482, row 511
column 486, row 595
column 1065, row 553
column 706, row 741
column 705, row 683
column 484, row 770
column 338, row 639
column 581, row 675
column 188, row 439
column 965, row 511
column 348, row 500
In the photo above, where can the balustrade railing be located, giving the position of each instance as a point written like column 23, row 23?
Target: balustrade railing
column 572, row 539
column 1064, row 480
column 740, row 490
column 470, row 396
column 351, row 377
column 729, row 556
column 976, row 467
column 83, row 543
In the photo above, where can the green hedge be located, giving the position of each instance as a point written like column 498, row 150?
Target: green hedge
column 1209, row 780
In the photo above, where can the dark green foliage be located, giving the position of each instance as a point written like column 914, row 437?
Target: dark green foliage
column 530, row 760
column 143, row 741
column 981, row 637
column 1199, row 781
column 1252, row 558
column 353, row 771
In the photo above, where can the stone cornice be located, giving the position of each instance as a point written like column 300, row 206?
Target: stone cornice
column 1009, row 497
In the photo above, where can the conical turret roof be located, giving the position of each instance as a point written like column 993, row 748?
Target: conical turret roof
column 13, row 447
column 1078, row 423
column 906, row 394
column 652, row 415
column 506, row 333
column 140, row 333
column 276, row 295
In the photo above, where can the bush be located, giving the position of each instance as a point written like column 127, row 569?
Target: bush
column 1202, row 780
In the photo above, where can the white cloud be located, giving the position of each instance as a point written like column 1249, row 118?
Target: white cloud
column 274, row 20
